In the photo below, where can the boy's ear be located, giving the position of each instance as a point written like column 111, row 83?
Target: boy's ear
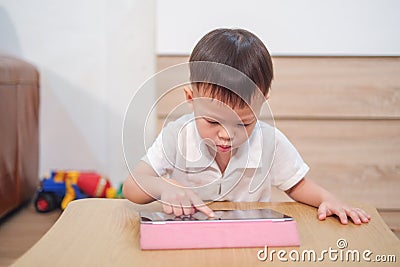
column 189, row 96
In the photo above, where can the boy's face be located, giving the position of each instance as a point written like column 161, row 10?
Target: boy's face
column 223, row 128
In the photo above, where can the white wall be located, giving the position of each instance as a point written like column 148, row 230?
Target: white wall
column 287, row 27
column 92, row 55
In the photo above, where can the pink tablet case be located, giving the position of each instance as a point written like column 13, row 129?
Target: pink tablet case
column 219, row 234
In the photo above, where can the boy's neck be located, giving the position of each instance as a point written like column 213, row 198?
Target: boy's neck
column 223, row 159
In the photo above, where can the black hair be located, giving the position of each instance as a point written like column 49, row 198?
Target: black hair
column 239, row 49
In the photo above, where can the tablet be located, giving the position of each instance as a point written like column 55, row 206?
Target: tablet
column 147, row 217
column 227, row 229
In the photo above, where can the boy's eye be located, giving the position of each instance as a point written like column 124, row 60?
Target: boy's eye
column 211, row 121
column 245, row 124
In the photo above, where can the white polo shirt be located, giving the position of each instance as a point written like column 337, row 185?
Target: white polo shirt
column 266, row 159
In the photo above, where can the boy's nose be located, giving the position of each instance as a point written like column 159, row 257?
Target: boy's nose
column 224, row 134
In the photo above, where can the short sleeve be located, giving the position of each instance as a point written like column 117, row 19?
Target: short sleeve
column 161, row 154
column 288, row 167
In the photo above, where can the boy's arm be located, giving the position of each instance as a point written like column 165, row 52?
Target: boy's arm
column 175, row 198
column 308, row 192
column 135, row 193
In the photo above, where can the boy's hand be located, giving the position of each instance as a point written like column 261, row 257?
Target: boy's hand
column 308, row 192
column 343, row 211
column 181, row 201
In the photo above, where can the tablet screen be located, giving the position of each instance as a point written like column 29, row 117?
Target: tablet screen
column 220, row 215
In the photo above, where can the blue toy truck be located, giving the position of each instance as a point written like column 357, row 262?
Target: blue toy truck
column 52, row 192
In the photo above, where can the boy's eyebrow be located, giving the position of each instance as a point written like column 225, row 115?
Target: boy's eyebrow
column 246, row 120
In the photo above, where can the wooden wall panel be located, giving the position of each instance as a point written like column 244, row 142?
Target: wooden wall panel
column 324, row 87
column 356, row 160
column 336, row 87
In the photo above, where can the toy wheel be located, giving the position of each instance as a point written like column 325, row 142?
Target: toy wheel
column 45, row 202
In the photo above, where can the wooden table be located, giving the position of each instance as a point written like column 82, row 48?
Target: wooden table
column 105, row 232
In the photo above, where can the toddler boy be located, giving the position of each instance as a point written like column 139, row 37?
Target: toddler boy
column 222, row 151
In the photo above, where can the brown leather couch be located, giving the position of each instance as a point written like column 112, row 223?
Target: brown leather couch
column 19, row 139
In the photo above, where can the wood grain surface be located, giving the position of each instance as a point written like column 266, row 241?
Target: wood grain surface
column 105, row 232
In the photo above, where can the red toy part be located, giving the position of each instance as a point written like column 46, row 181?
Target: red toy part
column 42, row 204
column 93, row 184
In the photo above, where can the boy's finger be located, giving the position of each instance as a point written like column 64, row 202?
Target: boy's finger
column 200, row 206
column 322, row 212
column 363, row 216
column 354, row 216
column 187, row 207
column 206, row 210
column 362, row 212
column 342, row 216
column 167, row 208
column 178, row 211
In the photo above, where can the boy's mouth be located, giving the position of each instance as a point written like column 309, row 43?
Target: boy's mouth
column 223, row 148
